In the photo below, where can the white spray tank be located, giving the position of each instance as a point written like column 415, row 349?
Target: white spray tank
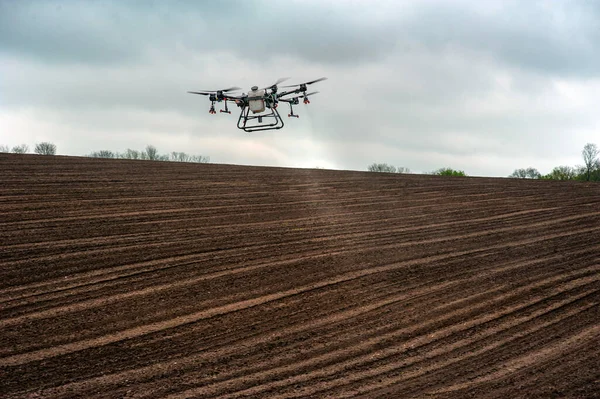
column 256, row 100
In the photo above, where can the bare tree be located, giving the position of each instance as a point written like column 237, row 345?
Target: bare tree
column 4, row 148
column 103, row 154
column 131, row 154
column 519, row 174
column 533, row 173
column 151, row 153
column 199, row 159
column 45, row 148
column 590, row 159
column 529, row 173
column 180, row 157
column 385, row 168
column 20, row 149
column 381, row 167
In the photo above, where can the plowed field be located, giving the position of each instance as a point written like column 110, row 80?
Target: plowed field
column 157, row 279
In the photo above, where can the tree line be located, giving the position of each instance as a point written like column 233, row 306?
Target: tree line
column 43, row 148
column 589, row 171
column 385, row 168
column 150, row 153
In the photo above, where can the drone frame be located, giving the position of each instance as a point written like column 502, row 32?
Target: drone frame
column 245, row 117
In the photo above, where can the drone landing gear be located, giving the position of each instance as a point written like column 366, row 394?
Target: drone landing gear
column 273, row 117
column 226, row 110
column 212, row 108
column 291, row 114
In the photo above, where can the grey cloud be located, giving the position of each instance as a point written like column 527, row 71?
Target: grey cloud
column 64, row 31
column 560, row 40
column 563, row 39
column 107, row 32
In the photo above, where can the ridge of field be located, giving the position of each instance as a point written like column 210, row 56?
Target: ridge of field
column 141, row 279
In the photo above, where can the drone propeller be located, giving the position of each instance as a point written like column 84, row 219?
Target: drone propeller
column 276, row 83
column 306, row 101
column 209, row 92
column 307, row 83
column 302, row 96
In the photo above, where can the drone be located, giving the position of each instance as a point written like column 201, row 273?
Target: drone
column 261, row 102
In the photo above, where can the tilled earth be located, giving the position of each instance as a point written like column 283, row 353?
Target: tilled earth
column 139, row 279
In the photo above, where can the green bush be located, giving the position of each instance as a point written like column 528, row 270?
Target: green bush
column 448, row 172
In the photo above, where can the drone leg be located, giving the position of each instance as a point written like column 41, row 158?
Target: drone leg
column 291, row 114
column 226, row 110
column 212, row 108
column 239, row 123
column 246, row 115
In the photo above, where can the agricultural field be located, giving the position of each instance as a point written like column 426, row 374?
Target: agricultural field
column 140, row 279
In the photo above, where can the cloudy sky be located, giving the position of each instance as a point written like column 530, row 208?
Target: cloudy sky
column 482, row 86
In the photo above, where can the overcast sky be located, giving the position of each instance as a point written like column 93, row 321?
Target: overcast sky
column 482, row 86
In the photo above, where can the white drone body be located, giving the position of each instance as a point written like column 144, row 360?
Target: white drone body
column 256, row 100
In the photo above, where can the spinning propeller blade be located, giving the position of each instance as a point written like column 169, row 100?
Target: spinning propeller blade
column 276, row 83
column 307, row 83
column 234, row 88
column 300, row 96
column 309, row 94
column 208, row 92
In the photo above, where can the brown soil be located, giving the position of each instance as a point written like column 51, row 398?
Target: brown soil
column 135, row 279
